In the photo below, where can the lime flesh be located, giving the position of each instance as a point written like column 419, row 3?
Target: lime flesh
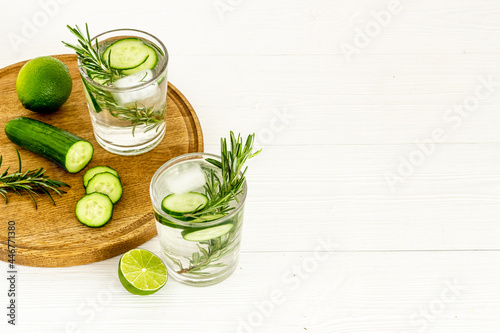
column 142, row 272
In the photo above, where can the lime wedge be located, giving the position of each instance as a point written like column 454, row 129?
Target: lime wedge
column 142, row 272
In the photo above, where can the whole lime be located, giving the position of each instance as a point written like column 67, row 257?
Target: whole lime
column 43, row 84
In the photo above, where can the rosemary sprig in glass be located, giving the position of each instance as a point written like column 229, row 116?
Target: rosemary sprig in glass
column 149, row 117
column 200, row 261
column 32, row 182
column 92, row 59
column 221, row 192
column 98, row 68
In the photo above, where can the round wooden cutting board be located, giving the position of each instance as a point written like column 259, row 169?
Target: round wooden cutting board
column 51, row 236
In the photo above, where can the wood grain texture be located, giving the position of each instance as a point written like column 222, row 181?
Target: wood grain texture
column 52, row 236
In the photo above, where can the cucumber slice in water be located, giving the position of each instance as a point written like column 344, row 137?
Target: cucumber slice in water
column 196, row 235
column 94, row 210
column 106, row 183
column 178, row 205
column 127, row 53
column 149, row 63
column 94, row 171
column 167, row 222
column 171, row 224
column 207, row 218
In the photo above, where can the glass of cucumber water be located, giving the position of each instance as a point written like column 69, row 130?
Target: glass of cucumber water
column 127, row 93
column 200, row 245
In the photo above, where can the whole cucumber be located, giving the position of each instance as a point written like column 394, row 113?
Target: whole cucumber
column 66, row 149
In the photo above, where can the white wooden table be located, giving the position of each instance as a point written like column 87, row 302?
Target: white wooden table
column 374, row 206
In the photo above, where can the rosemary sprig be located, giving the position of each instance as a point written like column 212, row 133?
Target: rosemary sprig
column 92, row 59
column 221, row 192
column 140, row 116
column 201, row 261
column 98, row 67
column 32, row 182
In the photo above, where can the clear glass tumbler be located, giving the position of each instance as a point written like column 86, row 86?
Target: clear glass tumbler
column 128, row 111
column 208, row 259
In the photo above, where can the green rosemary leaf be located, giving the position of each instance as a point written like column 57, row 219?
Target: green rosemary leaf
column 214, row 162
column 19, row 160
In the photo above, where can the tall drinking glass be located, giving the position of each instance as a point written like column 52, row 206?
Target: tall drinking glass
column 196, row 253
column 128, row 110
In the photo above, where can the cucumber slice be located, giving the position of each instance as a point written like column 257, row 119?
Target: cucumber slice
column 94, row 210
column 207, row 218
column 127, row 53
column 95, row 170
column 172, row 224
column 106, row 183
column 178, row 205
column 195, row 235
column 149, row 63
column 78, row 156
column 66, row 149
column 167, row 222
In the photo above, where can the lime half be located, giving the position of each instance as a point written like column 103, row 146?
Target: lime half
column 142, row 272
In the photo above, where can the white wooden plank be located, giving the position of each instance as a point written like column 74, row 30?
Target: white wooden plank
column 342, row 292
column 268, row 27
column 319, row 100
